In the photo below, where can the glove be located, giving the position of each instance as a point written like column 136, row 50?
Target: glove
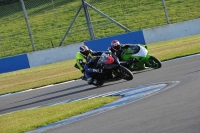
column 90, row 50
column 108, row 52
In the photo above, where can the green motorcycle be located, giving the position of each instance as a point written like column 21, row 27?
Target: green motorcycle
column 138, row 58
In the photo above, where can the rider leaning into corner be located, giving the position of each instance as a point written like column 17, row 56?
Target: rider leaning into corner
column 117, row 48
column 88, row 55
column 83, row 57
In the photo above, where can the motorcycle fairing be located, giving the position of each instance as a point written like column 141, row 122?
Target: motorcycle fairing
column 142, row 52
column 109, row 60
column 105, row 59
column 110, row 66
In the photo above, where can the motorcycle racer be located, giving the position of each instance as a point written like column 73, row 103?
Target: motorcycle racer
column 117, row 48
column 83, row 56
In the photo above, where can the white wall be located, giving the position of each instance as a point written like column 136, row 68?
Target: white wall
column 172, row 31
column 53, row 55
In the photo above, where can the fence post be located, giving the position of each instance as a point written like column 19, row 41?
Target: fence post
column 165, row 10
column 1, row 41
column 89, row 23
column 28, row 26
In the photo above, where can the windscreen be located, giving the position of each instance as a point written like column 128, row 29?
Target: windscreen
column 133, row 49
column 105, row 59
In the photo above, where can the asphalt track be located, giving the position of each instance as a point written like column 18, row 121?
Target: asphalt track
column 175, row 110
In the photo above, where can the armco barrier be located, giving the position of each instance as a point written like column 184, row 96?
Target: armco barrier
column 14, row 63
column 172, row 31
column 53, row 55
column 103, row 43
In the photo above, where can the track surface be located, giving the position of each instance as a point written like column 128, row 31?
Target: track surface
column 176, row 110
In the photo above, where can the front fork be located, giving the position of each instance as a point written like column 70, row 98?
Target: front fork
column 140, row 63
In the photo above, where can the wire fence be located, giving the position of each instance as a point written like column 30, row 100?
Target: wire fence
column 49, row 20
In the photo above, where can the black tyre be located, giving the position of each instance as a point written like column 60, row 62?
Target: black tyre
column 154, row 62
column 125, row 73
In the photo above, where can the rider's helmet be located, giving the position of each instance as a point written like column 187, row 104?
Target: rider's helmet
column 84, row 50
column 115, row 45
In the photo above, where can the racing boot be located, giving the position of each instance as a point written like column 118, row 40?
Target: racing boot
column 89, row 80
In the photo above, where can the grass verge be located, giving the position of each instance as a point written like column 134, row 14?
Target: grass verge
column 27, row 120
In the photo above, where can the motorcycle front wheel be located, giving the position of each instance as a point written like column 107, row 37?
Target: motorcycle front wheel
column 124, row 73
column 154, row 62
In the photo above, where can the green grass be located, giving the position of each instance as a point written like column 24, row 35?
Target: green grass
column 64, row 71
column 26, row 120
column 38, row 76
column 176, row 48
column 49, row 24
